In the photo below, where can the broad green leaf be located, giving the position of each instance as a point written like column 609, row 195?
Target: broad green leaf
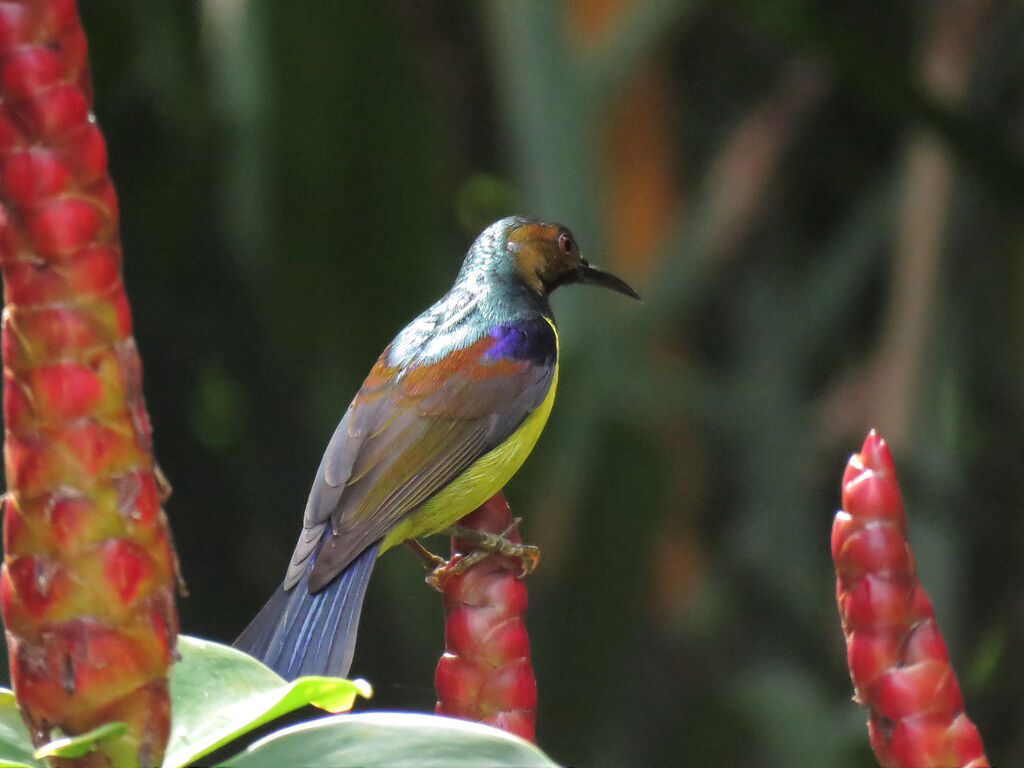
column 15, row 744
column 390, row 740
column 219, row 693
column 76, row 746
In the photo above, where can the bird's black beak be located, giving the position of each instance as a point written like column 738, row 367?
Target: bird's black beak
column 594, row 276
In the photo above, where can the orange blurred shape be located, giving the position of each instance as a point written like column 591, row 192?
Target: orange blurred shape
column 640, row 182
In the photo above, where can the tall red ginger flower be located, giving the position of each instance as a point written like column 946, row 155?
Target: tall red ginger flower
column 485, row 673
column 87, row 582
column 897, row 657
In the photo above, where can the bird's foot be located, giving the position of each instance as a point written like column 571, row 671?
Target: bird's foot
column 458, row 564
column 484, row 543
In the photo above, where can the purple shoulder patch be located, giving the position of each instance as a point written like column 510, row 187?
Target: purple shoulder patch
column 531, row 339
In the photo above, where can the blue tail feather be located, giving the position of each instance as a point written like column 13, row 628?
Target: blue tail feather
column 298, row 633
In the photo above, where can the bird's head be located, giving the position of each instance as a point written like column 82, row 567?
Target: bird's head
column 544, row 256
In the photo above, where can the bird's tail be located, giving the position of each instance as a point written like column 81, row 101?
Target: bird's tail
column 298, row 633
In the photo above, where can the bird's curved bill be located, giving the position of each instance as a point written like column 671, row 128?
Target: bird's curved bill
column 594, row 276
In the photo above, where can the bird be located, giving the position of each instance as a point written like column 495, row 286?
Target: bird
column 446, row 416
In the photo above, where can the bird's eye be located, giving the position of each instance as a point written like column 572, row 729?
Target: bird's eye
column 566, row 244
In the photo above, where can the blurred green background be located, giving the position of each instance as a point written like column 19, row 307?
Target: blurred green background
column 821, row 204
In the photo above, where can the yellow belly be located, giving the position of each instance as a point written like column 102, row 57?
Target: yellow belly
column 484, row 478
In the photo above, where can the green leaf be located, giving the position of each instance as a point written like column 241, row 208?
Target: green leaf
column 219, row 693
column 76, row 746
column 15, row 744
column 390, row 740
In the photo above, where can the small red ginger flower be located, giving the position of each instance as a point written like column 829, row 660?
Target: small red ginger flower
column 897, row 657
column 485, row 673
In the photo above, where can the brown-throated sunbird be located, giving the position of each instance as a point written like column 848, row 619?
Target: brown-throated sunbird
column 447, row 415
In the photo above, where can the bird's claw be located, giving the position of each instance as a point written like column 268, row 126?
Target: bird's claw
column 458, row 564
column 529, row 557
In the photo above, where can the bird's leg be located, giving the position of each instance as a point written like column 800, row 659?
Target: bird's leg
column 431, row 561
column 485, row 543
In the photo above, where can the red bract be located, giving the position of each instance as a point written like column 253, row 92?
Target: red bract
column 485, row 673
column 87, row 582
column 898, row 660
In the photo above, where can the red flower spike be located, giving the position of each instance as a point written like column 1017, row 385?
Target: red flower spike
column 897, row 658
column 34, row 175
column 87, row 583
column 485, row 673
